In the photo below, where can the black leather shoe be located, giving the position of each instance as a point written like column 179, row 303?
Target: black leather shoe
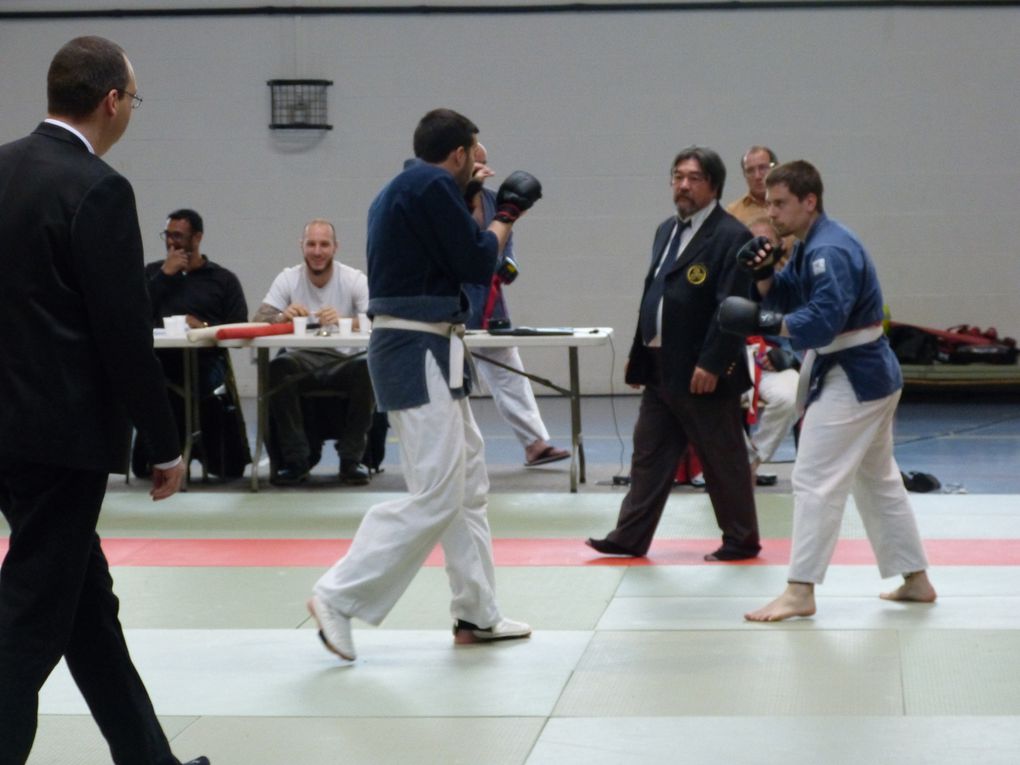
column 353, row 473
column 766, row 479
column 289, row 475
column 724, row 554
column 198, row 761
column 606, row 547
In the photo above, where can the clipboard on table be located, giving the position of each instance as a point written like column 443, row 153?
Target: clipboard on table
column 531, row 331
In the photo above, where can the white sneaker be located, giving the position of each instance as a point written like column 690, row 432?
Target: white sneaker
column 334, row 628
column 506, row 629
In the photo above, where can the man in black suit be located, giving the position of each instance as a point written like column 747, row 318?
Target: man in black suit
column 76, row 367
column 693, row 373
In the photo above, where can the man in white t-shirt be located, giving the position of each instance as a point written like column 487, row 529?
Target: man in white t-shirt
column 324, row 289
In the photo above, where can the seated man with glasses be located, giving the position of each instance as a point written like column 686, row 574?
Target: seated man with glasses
column 187, row 283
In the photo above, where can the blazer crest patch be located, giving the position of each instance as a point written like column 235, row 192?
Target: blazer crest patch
column 697, row 274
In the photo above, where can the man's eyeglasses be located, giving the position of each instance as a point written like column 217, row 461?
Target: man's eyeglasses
column 172, row 236
column 136, row 100
column 756, row 169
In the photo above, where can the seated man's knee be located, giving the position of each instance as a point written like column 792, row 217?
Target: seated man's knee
column 282, row 367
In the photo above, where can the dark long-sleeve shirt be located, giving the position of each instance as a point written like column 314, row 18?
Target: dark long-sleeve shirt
column 211, row 294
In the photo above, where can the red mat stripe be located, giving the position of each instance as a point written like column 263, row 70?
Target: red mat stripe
column 522, row 552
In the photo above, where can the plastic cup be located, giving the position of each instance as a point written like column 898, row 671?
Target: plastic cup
column 346, row 326
column 364, row 325
column 175, row 325
column 300, row 325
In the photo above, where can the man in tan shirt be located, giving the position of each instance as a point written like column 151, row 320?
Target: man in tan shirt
column 756, row 164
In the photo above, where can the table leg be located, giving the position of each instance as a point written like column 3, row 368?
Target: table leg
column 187, row 393
column 262, row 414
column 196, row 412
column 577, row 466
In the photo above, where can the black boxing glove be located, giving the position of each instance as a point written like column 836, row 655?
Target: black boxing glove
column 741, row 316
column 748, row 254
column 508, row 270
column 782, row 359
column 517, row 193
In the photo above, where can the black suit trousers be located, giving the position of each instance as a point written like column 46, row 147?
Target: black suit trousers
column 667, row 423
column 56, row 600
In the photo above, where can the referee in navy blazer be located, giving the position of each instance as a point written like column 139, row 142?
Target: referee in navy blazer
column 77, row 368
column 693, row 373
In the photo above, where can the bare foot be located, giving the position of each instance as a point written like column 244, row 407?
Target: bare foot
column 916, row 588
column 797, row 600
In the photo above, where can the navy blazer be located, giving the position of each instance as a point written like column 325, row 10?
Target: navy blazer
column 76, row 358
column 705, row 273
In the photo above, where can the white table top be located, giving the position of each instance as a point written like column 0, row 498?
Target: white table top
column 582, row 336
column 160, row 339
column 473, row 338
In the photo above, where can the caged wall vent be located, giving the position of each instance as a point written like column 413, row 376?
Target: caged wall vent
column 299, row 104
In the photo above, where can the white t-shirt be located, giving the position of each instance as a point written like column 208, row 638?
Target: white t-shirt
column 346, row 291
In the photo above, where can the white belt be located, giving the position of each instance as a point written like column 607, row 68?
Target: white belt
column 443, row 328
column 850, row 339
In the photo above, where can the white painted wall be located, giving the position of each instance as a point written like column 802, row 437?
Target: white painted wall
column 910, row 114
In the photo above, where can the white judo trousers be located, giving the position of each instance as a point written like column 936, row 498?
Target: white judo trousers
column 846, row 446
column 777, row 411
column 442, row 454
column 512, row 394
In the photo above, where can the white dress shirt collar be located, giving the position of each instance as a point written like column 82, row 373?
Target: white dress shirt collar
column 70, row 129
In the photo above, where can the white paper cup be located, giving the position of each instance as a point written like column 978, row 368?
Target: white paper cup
column 300, row 325
column 175, row 325
column 364, row 325
column 346, row 326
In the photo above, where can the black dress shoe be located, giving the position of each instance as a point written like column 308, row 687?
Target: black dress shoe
column 353, row 473
column 766, row 479
column 729, row 554
column 606, row 547
column 198, row 761
column 289, row 475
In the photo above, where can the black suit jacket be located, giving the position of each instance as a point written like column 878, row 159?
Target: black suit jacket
column 704, row 274
column 76, row 358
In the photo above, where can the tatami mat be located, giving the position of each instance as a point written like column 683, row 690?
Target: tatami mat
column 781, row 672
column 805, row 740
column 962, row 672
column 274, row 598
column 399, row 673
column 333, row 740
column 649, row 663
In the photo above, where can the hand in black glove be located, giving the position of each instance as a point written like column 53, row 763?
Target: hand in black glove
column 758, row 257
column 782, row 359
column 508, row 270
column 471, row 191
column 741, row 316
column 518, row 193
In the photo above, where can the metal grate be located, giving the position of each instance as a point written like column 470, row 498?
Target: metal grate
column 299, row 104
